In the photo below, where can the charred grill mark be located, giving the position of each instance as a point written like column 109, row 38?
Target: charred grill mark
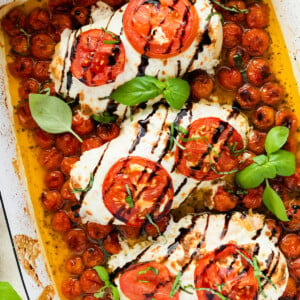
column 120, row 212
column 256, row 249
column 69, row 80
column 182, row 184
column 257, row 234
column 270, row 274
column 226, row 224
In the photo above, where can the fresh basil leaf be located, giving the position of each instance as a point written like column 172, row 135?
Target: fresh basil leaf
column 232, row 9
column 115, row 292
column 105, row 118
column 274, row 203
column 103, row 274
column 153, row 270
column 269, row 170
column 176, row 285
column 284, row 162
column 148, row 217
column 138, row 90
column 7, row 292
column 260, row 159
column 276, row 138
column 52, row 114
column 177, row 92
column 251, row 177
column 129, row 199
column 90, row 185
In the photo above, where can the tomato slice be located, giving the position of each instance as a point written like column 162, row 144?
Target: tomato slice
column 227, row 269
column 211, row 150
column 150, row 186
column 156, row 285
column 160, row 29
column 98, row 57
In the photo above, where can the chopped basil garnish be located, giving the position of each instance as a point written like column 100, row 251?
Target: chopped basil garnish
column 233, row 150
column 111, row 42
column 238, row 59
column 176, row 285
column 105, row 118
column 114, row 36
column 213, row 14
column 148, row 217
column 90, row 185
column 187, row 287
column 26, row 34
column 129, row 198
column 153, row 270
column 232, row 9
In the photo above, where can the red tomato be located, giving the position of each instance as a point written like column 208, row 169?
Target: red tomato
column 54, row 180
column 50, row 159
column 108, row 132
column 288, row 119
column 198, row 159
column 41, row 71
column 232, row 35
column 293, row 212
column 258, row 16
column 90, row 281
column 224, row 201
column 111, row 243
column 25, row 117
column 158, row 286
column 255, row 41
column 52, row 200
column 28, row 86
column 217, row 268
column 42, row 46
column 248, row 96
column 290, row 245
column 76, row 240
column 258, row 71
column 229, row 78
column 61, row 222
column 97, row 231
column 82, row 125
column 71, row 288
column 93, row 256
column 136, row 174
column 95, row 62
column 67, row 164
column 68, row 144
column 254, row 198
column 74, row 265
column 13, row 21
column 39, row 19
column 151, row 230
column 91, row 143
column 160, row 29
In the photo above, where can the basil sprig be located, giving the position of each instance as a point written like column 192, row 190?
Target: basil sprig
column 129, row 198
column 153, row 270
column 90, row 185
column 105, row 118
column 238, row 60
column 141, row 89
column 52, row 114
column 7, row 292
column 149, row 218
column 104, row 276
column 276, row 162
column 232, row 9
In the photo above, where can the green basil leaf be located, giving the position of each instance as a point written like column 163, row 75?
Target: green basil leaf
column 52, row 114
column 7, row 292
column 260, row 159
column 276, row 138
column 148, row 217
column 177, row 92
column 176, row 285
column 115, row 293
column 284, row 162
column 138, row 90
column 153, row 270
column 269, row 170
column 103, row 274
column 274, row 203
column 251, row 177
column 105, row 118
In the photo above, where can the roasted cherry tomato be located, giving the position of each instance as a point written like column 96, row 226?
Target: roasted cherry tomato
column 230, row 16
column 256, row 142
column 99, row 58
column 226, row 266
column 258, row 16
column 80, row 15
column 131, row 191
column 14, row 21
column 60, row 22
column 39, row 19
column 111, row 243
column 61, row 222
column 291, row 289
column 28, row 86
column 22, row 67
column 42, row 46
column 129, row 232
column 91, row 143
column 108, row 132
column 60, row 5
column 248, row 96
column 71, row 288
column 25, row 117
column 162, row 224
column 52, row 200
column 19, row 44
column 258, row 71
column 97, row 231
column 67, row 164
column 294, row 268
column 76, row 240
column 239, row 51
column 90, row 281
column 50, row 159
column 54, row 180
column 147, row 280
column 293, row 212
column 44, row 139
column 254, row 198
column 41, row 71
column 68, row 144
column 288, row 119
column 210, row 157
column 93, row 256
column 177, row 22
column 67, row 193
column 202, row 86
column 74, row 265
column 229, row 78
column 85, row 3
column 232, row 35
column 271, row 93
column 264, row 117
column 255, row 41
column 293, row 182
column 223, row 200
column 81, row 124
column 48, row 85
column 290, row 245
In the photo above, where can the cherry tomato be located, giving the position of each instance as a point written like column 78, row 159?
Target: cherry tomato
column 254, row 198
column 223, row 200
column 54, row 180
column 135, row 174
column 60, row 5
column 217, row 268
column 293, row 182
column 255, row 41
column 240, row 52
column 291, row 145
column 28, row 86
column 25, row 117
column 90, row 281
column 85, row 3
column 288, row 119
column 129, row 232
column 67, row 164
column 246, row 160
column 42, row 46
column 41, row 71
column 96, row 62
column 61, row 222
column 178, row 26
column 76, row 240
column 68, row 144
column 60, row 22
column 199, row 160
column 44, row 139
column 74, row 216
column 39, row 19
column 258, row 16
column 290, row 245
column 91, row 297
column 52, row 200
column 111, row 243
column 202, row 86
column 232, row 35
column 293, row 212
column 256, row 142
column 97, row 231
column 50, row 159
column 19, row 44
column 50, row 86
column 22, row 67
column 248, row 96
column 271, row 93
column 274, row 228
column 80, row 15
column 13, row 21
column 74, row 265
column 258, row 71
column 291, row 289
column 82, row 125
column 229, row 78
column 93, row 256
column 91, row 143
column 108, row 132
column 67, row 193
column 161, row 224
column 230, row 16
column 264, row 117
column 139, row 280
column 71, row 288
column 294, row 268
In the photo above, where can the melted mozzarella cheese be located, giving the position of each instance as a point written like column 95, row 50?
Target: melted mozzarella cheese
column 151, row 143
column 179, row 250
column 204, row 57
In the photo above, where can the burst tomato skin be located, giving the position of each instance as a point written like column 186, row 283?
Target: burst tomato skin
column 71, row 288
column 27, row 87
column 229, row 78
column 232, row 35
column 90, row 281
column 76, row 240
column 258, row 16
column 74, row 265
column 255, row 41
column 288, row 119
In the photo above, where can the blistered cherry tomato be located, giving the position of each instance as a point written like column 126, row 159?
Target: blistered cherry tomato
column 224, row 201
column 48, row 85
column 233, row 16
column 71, row 288
column 60, row 22
column 108, row 132
column 90, row 281
column 39, row 19
column 274, row 228
column 111, row 243
column 68, row 144
column 42, row 46
column 74, row 265
column 67, row 164
column 82, row 125
column 239, row 51
column 291, row 145
column 28, row 86
column 161, row 224
column 21, row 67
column 93, row 256
column 80, row 15
column 293, row 212
column 76, row 240
column 13, row 21
column 19, row 44
column 61, row 222
column 44, row 139
column 258, row 16
column 288, row 119
column 25, row 117
column 264, row 117
column 129, row 232
column 290, row 245
column 246, row 160
column 271, row 93
column 91, row 143
column 293, row 182
column 41, row 71
column 74, row 216
column 291, row 289
column 229, row 78
column 85, row 3
column 67, row 193
column 97, row 231
column 60, row 5
column 232, row 35
column 258, row 71
column 52, row 200
column 294, row 268
column 202, row 86
column 254, row 198
column 255, row 41
column 54, row 180
column 50, row 159
column 248, row 96
column 256, row 142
